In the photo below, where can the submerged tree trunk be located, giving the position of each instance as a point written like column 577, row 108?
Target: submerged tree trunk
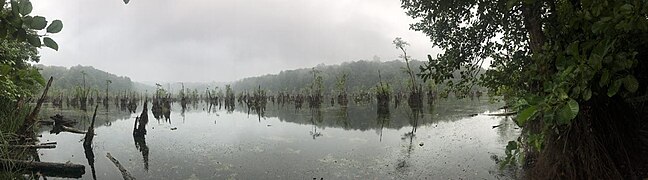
column 124, row 172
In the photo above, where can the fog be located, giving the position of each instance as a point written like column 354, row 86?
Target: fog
column 208, row 40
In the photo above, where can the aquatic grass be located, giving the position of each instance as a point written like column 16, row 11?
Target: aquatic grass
column 12, row 116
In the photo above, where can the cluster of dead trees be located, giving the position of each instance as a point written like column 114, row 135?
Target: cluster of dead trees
column 124, row 101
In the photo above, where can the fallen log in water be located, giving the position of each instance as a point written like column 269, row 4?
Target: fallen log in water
column 73, row 130
column 121, row 168
column 58, row 129
column 503, row 114
column 31, row 146
column 66, row 170
column 60, row 120
column 47, row 143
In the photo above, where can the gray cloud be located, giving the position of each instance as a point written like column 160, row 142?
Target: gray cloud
column 208, row 40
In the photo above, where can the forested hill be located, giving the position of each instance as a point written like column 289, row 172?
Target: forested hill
column 67, row 79
column 361, row 75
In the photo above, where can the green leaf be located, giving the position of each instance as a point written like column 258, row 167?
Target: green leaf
column 525, row 115
column 573, row 105
column 25, row 7
column 512, row 145
column 595, row 61
column 562, row 95
column 614, row 88
column 572, row 49
column 598, row 27
column 631, row 83
column 533, row 99
column 15, row 7
column 27, row 20
column 49, row 42
column 626, row 8
column 3, row 31
column 587, row 94
column 34, row 40
column 568, row 112
column 55, row 27
column 605, row 78
column 38, row 23
column 20, row 34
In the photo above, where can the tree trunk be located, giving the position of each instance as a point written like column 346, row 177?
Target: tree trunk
column 31, row 118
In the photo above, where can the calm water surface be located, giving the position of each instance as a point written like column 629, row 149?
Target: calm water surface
column 443, row 142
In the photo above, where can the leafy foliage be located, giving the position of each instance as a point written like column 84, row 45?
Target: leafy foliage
column 18, row 79
column 20, row 36
column 19, row 25
column 546, row 57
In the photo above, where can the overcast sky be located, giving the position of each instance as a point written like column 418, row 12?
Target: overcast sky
column 224, row 40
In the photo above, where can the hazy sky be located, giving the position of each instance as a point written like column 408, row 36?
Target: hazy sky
column 224, row 40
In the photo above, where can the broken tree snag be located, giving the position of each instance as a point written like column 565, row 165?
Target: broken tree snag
column 31, row 118
column 67, row 170
column 90, row 133
column 121, row 168
column 139, row 129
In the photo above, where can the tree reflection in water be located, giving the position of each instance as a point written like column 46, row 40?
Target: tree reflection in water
column 316, row 118
column 414, row 117
column 139, row 135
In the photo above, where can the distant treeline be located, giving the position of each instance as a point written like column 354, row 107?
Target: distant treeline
column 66, row 80
column 361, row 75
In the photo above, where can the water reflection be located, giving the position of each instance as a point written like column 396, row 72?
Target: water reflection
column 316, row 118
column 383, row 119
column 361, row 141
column 139, row 135
column 343, row 116
column 89, row 154
column 140, row 145
column 403, row 166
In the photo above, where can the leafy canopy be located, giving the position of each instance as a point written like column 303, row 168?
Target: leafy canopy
column 550, row 55
column 546, row 57
column 20, row 36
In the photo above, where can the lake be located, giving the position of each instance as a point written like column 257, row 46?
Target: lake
column 446, row 141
